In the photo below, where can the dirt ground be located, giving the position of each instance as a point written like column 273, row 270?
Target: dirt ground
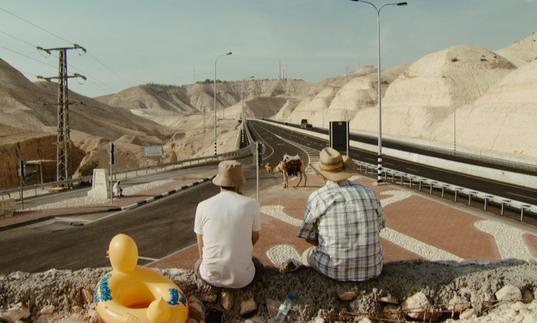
column 317, row 296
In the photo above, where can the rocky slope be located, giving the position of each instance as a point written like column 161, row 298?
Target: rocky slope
column 424, row 291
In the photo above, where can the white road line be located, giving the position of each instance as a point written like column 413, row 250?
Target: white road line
column 147, row 258
column 509, row 240
column 521, row 195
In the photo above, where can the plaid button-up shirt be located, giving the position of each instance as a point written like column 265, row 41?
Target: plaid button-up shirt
column 345, row 219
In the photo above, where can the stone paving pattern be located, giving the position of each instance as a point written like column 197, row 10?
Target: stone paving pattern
column 434, row 222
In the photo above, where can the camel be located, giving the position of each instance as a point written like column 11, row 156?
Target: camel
column 290, row 165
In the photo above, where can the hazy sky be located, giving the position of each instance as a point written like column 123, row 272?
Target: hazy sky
column 176, row 42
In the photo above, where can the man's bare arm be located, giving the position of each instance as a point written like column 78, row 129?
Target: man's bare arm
column 199, row 238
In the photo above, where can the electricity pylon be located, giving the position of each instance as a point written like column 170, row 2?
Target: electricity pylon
column 63, row 140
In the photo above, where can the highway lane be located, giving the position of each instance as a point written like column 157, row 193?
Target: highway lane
column 480, row 184
column 463, row 157
column 159, row 228
column 83, row 191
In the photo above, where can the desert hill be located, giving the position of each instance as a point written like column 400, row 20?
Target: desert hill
column 28, row 124
column 492, row 95
column 178, row 106
column 521, row 52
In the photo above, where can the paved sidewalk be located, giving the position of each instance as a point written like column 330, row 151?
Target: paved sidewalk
column 420, row 226
column 174, row 185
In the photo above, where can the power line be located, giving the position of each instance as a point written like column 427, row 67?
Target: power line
column 94, row 82
column 68, row 41
column 17, row 38
column 28, row 57
column 109, row 69
column 36, row 26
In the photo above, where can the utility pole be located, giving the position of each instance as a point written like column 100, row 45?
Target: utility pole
column 63, row 139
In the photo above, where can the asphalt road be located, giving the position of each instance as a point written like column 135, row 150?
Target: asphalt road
column 476, row 183
column 159, row 228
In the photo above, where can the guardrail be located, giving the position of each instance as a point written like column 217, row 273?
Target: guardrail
column 465, row 157
column 431, row 185
column 45, row 188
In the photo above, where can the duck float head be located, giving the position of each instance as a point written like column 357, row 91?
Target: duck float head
column 131, row 293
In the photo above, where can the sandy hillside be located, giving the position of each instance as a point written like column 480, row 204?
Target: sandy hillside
column 425, row 95
column 521, row 52
column 504, row 119
column 492, row 95
column 178, row 106
column 28, row 117
column 341, row 97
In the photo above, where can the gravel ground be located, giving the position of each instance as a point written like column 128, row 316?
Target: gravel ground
column 317, row 296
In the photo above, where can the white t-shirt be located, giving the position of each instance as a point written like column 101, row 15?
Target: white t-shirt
column 226, row 222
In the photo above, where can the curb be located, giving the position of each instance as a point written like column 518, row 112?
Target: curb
column 159, row 196
column 110, row 209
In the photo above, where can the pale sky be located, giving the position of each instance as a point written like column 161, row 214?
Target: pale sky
column 176, row 42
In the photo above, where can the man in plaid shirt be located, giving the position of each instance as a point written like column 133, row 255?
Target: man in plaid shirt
column 343, row 221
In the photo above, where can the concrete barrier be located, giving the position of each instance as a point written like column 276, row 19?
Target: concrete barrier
column 474, row 170
column 7, row 207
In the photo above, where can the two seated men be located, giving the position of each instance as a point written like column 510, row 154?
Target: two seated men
column 342, row 220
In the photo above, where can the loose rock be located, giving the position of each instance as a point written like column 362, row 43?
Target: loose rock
column 347, row 296
column 458, row 304
column 226, row 300
column 509, row 293
column 469, row 313
column 418, row 306
column 248, row 307
column 47, row 310
column 17, row 312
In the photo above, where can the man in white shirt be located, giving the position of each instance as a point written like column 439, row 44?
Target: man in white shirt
column 227, row 226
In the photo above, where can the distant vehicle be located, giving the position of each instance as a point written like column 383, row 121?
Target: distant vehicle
column 304, row 124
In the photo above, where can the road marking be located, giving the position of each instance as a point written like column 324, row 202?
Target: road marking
column 147, row 258
column 521, row 195
column 509, row 240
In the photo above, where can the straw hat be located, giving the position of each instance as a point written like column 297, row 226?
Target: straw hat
column 230, row 174
column 334, row 166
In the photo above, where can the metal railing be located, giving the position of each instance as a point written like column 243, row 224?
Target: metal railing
column 458, row 192
column 449, row 154
column 46, row 188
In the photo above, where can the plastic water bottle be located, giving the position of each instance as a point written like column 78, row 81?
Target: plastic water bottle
column 285, row 307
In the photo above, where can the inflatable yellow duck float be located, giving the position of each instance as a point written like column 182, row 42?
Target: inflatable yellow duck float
column 131, row 293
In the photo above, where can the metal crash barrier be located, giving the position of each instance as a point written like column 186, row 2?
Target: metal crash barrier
column 423, row 183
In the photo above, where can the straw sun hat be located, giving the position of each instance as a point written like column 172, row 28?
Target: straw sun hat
column 230, row 174
column 334, row 166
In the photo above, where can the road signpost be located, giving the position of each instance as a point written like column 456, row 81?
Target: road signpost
column 259, row 151
column 22, row 173
column 112, row 162
column 339, row 136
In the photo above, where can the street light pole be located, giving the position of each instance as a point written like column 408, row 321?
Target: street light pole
column 214, row 100
column 454, row 118
column 379, row 90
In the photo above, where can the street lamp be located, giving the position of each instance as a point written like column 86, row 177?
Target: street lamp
column 214, row 101
column 243, row 116
column 378, row 10
column 454, row 117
